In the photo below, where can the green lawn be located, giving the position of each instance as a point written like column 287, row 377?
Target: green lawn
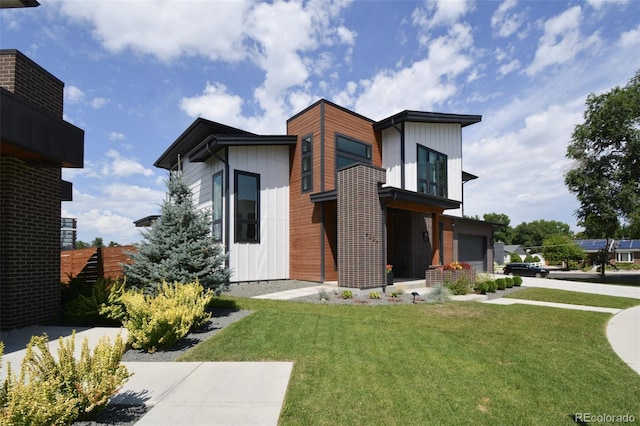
column 458, row 363
column 573, row 297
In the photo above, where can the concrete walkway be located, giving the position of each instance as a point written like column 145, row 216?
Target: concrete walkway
column 177, row 393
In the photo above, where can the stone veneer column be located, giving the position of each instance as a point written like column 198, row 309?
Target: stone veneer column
column 361, row 251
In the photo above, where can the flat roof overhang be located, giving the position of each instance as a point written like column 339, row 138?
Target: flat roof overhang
column 146, row 221
column 194, row 135
column 37, row 136
column 213, row 143
column 391, row 193
column 9, row 4
column 427, row 117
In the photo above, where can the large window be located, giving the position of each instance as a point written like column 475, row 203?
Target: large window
column 217, row 197
column 624, row 256
column 432, row 172
column 247, row 204
column 349, row 151
column 307, row 164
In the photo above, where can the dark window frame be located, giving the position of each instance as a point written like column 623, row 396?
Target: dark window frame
column 339, row 153
column 438, row 187
column 306, row 176
column 217, row 222
column 255, row 221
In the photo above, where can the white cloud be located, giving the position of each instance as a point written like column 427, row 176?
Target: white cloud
column 97, row 103
column 561, row 40
column 436, row 13
column 216, row 104
column 116, row 136
column 120, row 166
column 509, row 68
column 423, row 85
column 631, row 38
column 598, row 4
column 73, row 95
column 166, row 29
column 506, row 24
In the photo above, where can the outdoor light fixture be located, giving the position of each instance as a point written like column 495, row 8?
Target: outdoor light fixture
column 414, row 294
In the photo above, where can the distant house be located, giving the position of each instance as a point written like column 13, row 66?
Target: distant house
column 620, row 251
column 336, row 198
column 35, row 144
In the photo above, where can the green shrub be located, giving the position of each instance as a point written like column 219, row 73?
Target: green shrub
column 492, row 286
column 93, row 309
column 517, row 280
column 460, row 286
column 440, row 294
column 347, row 294
column 481, row 287
column 158, row 322
column 374, row 295
column 508, row 281
column 58, row 392
column 501, row 284
column 515, row 257
column 394, row 294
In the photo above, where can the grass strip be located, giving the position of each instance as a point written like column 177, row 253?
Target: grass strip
column 573, row 297
column 456, row 363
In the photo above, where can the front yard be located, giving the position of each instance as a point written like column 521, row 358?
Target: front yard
column 458, row 363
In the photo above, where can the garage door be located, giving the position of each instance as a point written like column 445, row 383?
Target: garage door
column 473, row 250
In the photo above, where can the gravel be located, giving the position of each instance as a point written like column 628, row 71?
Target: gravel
column 114, row 415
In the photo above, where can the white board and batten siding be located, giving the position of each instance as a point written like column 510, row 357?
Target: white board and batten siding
column 443, row 138
column 269, row 259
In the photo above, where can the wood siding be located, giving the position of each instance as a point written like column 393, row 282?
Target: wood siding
column 312, row 243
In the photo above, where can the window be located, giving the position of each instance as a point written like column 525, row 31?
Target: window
column 432, row 172
column 349, row 151
column 307, row 164
column 217, row 200
column 624, row 256
column 247, row 200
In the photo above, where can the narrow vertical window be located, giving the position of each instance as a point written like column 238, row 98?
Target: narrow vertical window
column 217, row 200
column 247, row 206
column 307, row 164
column 432, row 172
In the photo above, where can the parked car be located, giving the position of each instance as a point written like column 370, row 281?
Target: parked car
column 525, row 270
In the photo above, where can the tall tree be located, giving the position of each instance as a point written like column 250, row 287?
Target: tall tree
column 606, row 151
column 179, row 246
column 561, row 248
column 503, row 234
column 532, row 234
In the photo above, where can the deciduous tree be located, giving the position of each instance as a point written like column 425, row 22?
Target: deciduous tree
column 606, row 170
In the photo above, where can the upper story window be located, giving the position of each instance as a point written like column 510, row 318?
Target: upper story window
column 349, row 151
column 432, row 172
column 218, row 194
column 307, row 164
column 247, row 206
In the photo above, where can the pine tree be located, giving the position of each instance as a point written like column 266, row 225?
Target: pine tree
column 179, row 246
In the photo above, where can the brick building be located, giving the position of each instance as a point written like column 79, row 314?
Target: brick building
column 35, row 143
column 336, row 198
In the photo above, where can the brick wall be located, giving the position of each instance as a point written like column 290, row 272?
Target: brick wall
column 361, row 250
column 29, row 243
column 22, row 76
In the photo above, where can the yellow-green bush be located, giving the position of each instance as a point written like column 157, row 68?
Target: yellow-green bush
column 58, row 392
column 159, row 321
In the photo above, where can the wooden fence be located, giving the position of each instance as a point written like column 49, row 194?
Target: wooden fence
column 93, row 263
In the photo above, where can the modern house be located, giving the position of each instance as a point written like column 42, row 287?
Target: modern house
column 35, row 144
column 336, row 198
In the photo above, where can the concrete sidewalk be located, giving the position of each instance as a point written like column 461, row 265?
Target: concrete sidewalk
column 193, row 393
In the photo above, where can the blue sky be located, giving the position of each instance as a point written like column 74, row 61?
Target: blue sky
column 137, row 73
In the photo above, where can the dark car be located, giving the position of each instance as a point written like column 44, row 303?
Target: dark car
column 525, row 270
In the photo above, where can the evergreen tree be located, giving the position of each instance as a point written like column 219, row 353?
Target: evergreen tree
column 179, row 246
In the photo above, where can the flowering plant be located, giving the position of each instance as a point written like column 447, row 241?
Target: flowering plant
column 456, row 266
column 389, row 268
